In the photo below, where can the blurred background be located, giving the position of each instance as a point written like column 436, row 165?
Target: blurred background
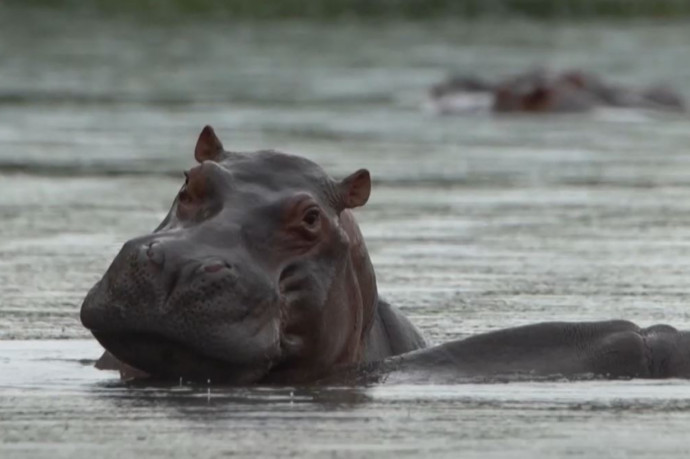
column 476, row 221
column 101, row 103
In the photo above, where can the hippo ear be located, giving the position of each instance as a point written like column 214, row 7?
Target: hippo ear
column 355, row 189
column 208, row 147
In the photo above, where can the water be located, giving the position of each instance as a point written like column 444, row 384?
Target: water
column 474, row 223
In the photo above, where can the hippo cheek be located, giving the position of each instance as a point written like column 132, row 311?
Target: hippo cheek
column 321, row 316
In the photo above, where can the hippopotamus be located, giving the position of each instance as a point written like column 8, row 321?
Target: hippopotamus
column 259, row 274
column 539, row 92
column 542, row 91
column 657, row 97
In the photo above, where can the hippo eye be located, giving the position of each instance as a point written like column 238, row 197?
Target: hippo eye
column 311, row 218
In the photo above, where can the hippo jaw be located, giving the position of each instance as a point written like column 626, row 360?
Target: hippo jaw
column 168, row 359
column 248, row 279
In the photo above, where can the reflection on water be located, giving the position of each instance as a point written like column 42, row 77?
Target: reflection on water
column 475, row 223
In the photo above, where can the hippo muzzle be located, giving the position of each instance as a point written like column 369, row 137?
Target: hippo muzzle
column 176, row 308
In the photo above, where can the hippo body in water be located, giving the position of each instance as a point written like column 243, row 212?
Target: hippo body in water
column 259, row 275
column 541, row 91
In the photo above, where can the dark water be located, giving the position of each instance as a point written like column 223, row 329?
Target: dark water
column 474, row 223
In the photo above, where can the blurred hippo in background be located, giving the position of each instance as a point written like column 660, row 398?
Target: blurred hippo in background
column 543, row 91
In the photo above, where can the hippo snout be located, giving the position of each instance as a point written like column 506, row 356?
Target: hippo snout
column 89, row 312
column 175, row 269
column 160, row 283
column 161, row 297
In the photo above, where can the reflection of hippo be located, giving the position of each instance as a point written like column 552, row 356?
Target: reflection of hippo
column 259, row 274
column 539, row 91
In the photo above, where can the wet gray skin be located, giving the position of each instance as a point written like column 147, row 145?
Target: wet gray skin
column 258, row 273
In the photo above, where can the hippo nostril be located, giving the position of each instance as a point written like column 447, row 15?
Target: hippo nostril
column 154, row 253
column 214, row 267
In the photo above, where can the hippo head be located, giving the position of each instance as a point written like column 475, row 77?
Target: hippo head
column 543, row 93
column 257, row 274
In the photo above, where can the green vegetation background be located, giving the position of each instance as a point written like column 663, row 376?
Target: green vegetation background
column 394, row 9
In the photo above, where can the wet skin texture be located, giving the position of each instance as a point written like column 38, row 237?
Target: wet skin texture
column 259, row 275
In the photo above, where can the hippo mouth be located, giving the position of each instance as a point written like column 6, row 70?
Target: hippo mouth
column 165, row 358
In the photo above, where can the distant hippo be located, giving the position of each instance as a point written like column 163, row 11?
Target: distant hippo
column 259, row 275
column 657, row 97
column 542, row 91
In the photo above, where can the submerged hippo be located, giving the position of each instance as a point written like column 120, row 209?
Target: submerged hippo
column 259, row 275
column 542, row 91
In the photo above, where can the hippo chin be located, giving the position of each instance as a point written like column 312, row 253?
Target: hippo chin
column 259, row 275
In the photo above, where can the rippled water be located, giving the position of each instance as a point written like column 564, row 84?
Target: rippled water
column 475, row 223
